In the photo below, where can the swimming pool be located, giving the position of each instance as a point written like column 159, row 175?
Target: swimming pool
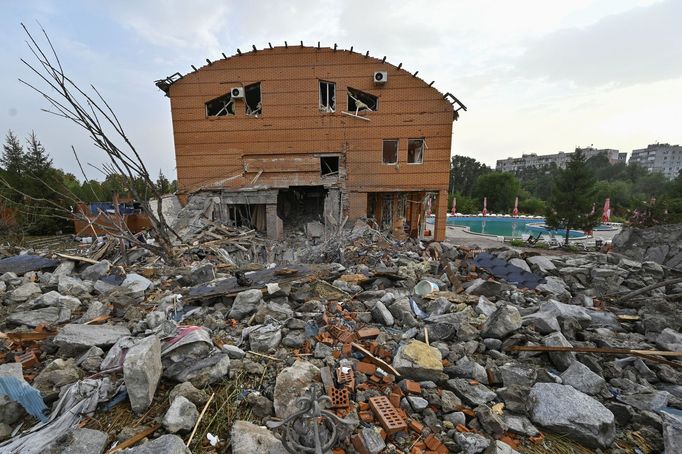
column 507, row 226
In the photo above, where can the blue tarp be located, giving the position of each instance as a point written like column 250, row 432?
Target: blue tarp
column 21, row 264
column 108, row 207
column 26, row 395
column 502, row 269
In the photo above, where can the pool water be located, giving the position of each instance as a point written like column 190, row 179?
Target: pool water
column 509, row 227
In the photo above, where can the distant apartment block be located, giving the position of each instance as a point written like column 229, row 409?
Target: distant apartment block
column 560, row 159
column 659, row 157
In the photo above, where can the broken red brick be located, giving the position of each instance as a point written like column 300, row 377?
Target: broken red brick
column 413, row 387
column 373, row 346
column 388, row 416
column 365, row 368
column 390, row 378
column 442, row 449
column 416, row 450
column 395, row 400
column 396, row 390
column 415, row 425
column 462, row 428
column 366, row 416
column 432, row 442
column 364, row 333
column 346, row 337
column 27, row 359
column 359, row 444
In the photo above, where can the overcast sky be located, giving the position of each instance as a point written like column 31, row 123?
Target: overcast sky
column 537, row 76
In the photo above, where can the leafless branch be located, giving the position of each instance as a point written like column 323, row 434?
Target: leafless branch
column 96, row 116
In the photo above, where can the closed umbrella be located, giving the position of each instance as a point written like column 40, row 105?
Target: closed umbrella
column 485, row 205
column 454, row 206
column 606, row 215
column 515, row 213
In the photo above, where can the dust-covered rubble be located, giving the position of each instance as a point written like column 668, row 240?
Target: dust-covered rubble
column 476, row 365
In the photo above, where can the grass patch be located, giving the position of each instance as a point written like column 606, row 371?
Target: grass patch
column 227, row 407
column 554, row 444
column 626, row 443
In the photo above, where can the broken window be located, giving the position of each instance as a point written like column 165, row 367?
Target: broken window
column 415, row 151
column 329, row 165
column 359, row 101
column 390, row 151
column 254, row 107
column 327, row 96
column 221, row 106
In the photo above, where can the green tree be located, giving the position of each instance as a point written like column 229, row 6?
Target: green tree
column 538, row 180
column 464, row 171
column 464, row 204
column 532, row 205
column 620, row 193
column 163, row 184
column 572, row 197
column 37, row 160
column 12, row 161
column 501, row 188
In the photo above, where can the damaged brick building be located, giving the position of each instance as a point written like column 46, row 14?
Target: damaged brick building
column 295, row 133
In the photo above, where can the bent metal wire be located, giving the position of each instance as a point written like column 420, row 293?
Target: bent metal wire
column 312, row 409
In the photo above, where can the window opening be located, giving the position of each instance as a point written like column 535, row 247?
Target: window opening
column 415, row 151
column 359, row 101
column 221, row 106
column 390, row 151
column 252, row 97
column 327, row 96
column 329, row 165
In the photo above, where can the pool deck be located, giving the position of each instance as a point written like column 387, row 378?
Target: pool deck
column 459, row 236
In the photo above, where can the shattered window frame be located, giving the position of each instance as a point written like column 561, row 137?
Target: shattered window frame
column 326, row 102
column 385, row 150
column 368, row 99
column 415, row 149
column 327, row 168
column 226, row 109
column 256, row 109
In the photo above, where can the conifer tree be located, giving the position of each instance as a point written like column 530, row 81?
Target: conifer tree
column 37, row 159
column 163, row 184
column 13, row 163
column 573, row 192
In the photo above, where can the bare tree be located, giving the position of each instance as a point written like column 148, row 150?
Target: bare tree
column 94, row 114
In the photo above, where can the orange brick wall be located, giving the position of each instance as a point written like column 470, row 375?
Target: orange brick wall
column 281, row 148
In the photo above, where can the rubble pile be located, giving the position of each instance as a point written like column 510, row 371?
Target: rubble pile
column 661, row 244
column 417, row 348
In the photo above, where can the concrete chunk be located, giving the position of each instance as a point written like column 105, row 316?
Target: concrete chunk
column 565, row 410
column 85, row 336
column 142, row 372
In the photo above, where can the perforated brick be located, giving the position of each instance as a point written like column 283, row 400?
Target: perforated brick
column 340, row 397
column 28, row 359
column 388, row 416
column 347, row 379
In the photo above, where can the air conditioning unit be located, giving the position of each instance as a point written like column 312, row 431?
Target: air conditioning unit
column 380, row 77
column 237, row 92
